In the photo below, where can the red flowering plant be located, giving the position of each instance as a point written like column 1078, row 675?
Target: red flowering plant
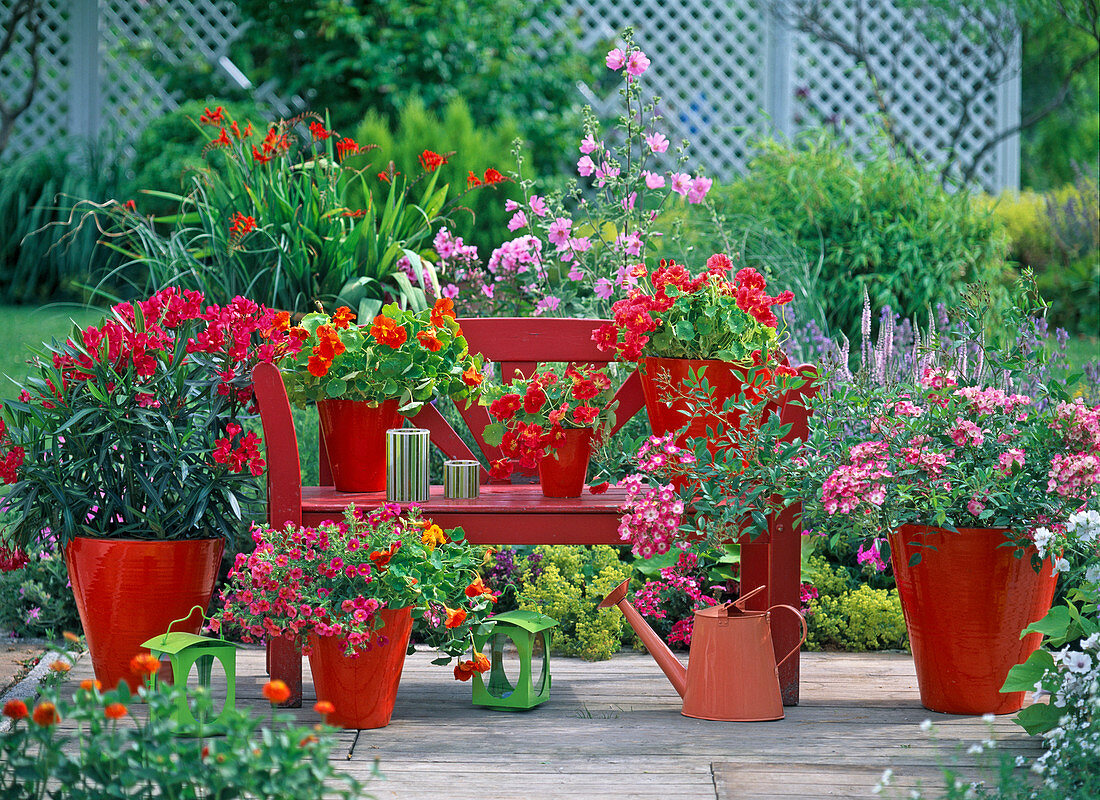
column 291, row 214
column 414, row 357
column 132, row 428
column 334, row 579
column 532, row 414
column 673, row 314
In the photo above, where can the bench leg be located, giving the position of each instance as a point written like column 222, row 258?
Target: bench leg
column 775, row 560
column 284, row 663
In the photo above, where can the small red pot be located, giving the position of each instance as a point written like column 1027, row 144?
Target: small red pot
column 355, row 440
column 128, row 591
column 563, row 471
column 362, row 688
column 965, row 603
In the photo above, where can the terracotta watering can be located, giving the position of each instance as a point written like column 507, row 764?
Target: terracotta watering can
column 732, row 674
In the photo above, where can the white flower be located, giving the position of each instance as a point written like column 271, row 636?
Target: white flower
column 926, row 726
column 1091, row 642
column 988, row 718
column 1042, row 538
column 1077, row 662
column 1020, row 761
column 1060, row 565
column 975, row 749
column 1092, row 574
column 1086, row 524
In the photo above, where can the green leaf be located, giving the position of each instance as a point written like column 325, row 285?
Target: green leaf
column 1023, row 677
column 494, row 434
column 1055, row 624
column 1039, row 718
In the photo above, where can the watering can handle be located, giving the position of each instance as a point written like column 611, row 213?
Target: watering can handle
column 802, row 621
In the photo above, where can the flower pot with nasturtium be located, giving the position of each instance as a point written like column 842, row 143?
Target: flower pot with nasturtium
column 550, row 422
column 351, row 592
column 126, row 442
column 366, row 378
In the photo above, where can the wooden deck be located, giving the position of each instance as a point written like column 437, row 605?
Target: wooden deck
column 613, row 730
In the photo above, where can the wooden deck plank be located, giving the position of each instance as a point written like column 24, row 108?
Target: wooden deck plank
column 613, row 730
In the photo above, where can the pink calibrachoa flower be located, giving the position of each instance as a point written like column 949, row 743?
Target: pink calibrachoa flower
column 658, row 142
column 616, row 59
column 870, row 555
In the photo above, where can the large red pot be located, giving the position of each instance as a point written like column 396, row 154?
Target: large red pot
column 355, row 441
column 563, row 471
column 362, row 688
column 965, row 603
column 128, row 590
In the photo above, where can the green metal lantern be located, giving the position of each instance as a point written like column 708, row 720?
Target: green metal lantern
column 516, row 681
column 187, row 650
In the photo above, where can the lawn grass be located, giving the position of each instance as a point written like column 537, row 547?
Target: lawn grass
column 28, row 326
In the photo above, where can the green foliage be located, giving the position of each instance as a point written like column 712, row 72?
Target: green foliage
column 36, row 600
column 567, row 584
column 869, row 222
column 852, row 618
column 263, row 756
column 41, row 257
column 475, row 147
column 349, row 56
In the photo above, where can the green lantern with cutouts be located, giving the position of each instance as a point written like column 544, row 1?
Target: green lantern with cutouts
column 517, row 644
column 185, row 651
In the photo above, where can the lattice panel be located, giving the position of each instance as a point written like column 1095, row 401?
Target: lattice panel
column 921, row 85
column 707, row 67
column 47, row 117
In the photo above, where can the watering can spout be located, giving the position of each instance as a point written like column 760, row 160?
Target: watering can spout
column 669, row 664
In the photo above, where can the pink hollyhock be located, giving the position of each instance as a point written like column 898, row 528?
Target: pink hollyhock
column 637, row 63
column 616, row 59
column 653, row 180
column 658, row 142
column 681, row 183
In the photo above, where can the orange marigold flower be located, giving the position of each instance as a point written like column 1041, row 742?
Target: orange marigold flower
column 88, row 685
column 318, row 366
column 115, row 711
column 45, row 714
column 481, row 663
column 343, row 317
column 215, row 117
column 429, row 340
column 432, row 161
column 15, row 709
column 387, row 331
column 61, row 666
column 464, row 671
column 444, row 307
column 144, row 664
column 323, row 707
column 455, row 616
column 472, row 377
column 276, row 691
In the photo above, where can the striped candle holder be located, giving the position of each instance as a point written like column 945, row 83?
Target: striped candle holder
column 461, row 479
column 407, row 465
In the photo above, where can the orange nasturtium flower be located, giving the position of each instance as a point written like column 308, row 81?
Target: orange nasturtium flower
column 471, row 377
column 343, row 317
column 444, row 307
column 455, row 616
column 464, row 670
column 433, row 536
column 45, row 714
column 276, row 691
column 481, row 663
column 144, row 664
column 15, row 709
column 429, row 340
column 318, row 367
column 387, row 331
column 115, row 711
column 478, row 588
column 323, row 707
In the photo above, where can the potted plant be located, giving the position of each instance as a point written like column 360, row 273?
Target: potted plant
column 349, row 590
column 365, row 377
column 127, row 444
column 973, row 485
column 674, row 324
column 549, row 422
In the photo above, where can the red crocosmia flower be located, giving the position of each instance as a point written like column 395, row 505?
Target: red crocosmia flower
column 45, row 714
column 222, row 140
column 431, row 161
column 493, row 176
column 386, row 331
column 384, row 177
column 343, row 317
column 429, row 340
column 317, row 130
column 599, row 488
column 260, row 158
column 144, row 664
column 276, row 692
column 472, row 377
column 472, row 180
column 16, row 709
column 585, row 415
column 464, row 671
column 130, row 205
column 506, row 406
column 346, row 147
column 455, row 616
column 239, row 225
column 444, row 307
column 215, row 117
column 115, row 711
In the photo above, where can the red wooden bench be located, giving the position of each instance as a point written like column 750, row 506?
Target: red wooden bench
column 515, row 514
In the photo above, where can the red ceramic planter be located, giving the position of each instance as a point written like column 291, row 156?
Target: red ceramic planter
column 129, row 590
column 362, row 688
column 562, row 473
column 965, row 603
column 355, row 441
